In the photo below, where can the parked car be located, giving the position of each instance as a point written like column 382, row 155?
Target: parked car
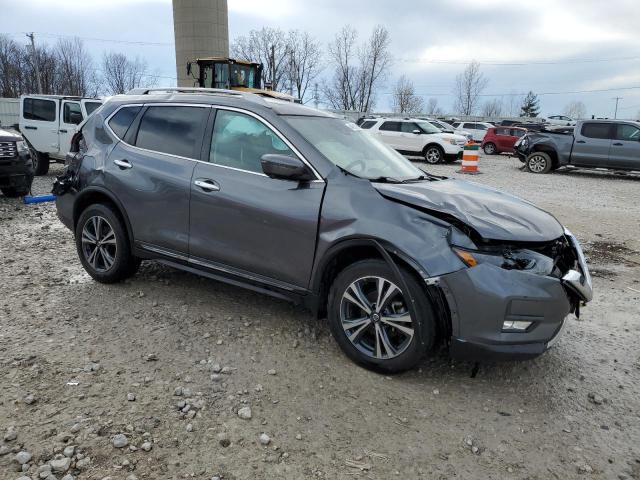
column 560, row 120
column 415, row 137
column 533, row 127
column 16, row 168
column 296, row 203
column 501, row 139
column 612, row 144
column 509, row 123
column 477, row 129
column 48, row 122
column 448, row 128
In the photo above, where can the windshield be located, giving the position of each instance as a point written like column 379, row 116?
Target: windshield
column 355, row 150
column 428, row 128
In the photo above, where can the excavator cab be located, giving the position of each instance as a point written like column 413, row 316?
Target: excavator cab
column 231, row 74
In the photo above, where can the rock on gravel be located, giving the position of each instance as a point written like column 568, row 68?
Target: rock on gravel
column 146, row 446
column 23, row 457
column 11, row 434
column 60, row 465
column 264, row 439
column 245, row 413
column 120, row 441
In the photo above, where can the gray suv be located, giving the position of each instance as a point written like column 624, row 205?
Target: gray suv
column 295, row 203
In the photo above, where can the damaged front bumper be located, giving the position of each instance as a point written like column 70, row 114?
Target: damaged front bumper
column 483, row 301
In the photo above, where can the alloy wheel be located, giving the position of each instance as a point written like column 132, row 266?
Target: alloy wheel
column 433, row 155
column 99, row 245
column 537, row 163
column 489, row 149
column 375, row 318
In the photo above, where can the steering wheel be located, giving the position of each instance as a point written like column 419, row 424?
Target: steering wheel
column 356, row 163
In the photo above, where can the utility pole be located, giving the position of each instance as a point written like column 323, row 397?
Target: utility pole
column 273, row 67
column 617, row 99
column 316, row 97
column 34, row 57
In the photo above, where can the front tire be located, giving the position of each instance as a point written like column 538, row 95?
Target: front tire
column 40, row 163
column 373, row 322
column 490, row 149
column 539, row 162
column 433, row 154
column 103, row 245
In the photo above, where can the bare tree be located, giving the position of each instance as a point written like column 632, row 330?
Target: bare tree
column 405, row 100
column 120, row 74
column 575, row 109
column 432, row 107
column 358, row 71
column 257, row 47
column 17, row 69
column 11, row 78
column 75, row 71
column 304, row 61
column 512, row 105
column 492, row 108
column 469, row 85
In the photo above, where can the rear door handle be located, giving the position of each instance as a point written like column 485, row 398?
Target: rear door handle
column 207, row 185
column 618, row 144
column 29, row 127
column 123, row 164
column 63, row 131
column 580, row 141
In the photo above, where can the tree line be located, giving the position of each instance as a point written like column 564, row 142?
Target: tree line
column 348, row 76
column 67, row 68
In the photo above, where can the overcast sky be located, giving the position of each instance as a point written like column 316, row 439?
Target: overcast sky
column 563, row 44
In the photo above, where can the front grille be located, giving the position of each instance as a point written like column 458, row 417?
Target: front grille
column 8, row 149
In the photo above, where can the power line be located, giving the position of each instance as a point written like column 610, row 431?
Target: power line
column 511, row 94
column 104, row 40
column 518, row 64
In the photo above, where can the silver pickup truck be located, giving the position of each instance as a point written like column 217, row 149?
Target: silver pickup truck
column 611, row 144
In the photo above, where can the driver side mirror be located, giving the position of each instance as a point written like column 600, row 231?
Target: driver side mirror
column 284, row 167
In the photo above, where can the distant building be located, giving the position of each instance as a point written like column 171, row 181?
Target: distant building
column 201, row 29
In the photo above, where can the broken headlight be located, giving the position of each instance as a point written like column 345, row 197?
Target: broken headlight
column 508, row 259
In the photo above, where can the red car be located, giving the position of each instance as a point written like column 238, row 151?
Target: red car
column 501, row 139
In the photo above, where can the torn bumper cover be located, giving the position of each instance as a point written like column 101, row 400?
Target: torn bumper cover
column 486, row 302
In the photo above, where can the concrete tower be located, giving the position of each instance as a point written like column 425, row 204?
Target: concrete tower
column 201, row 29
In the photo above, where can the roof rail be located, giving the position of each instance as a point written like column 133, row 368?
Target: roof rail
column 206, row 91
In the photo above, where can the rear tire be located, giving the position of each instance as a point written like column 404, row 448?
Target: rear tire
column 539, row 162
column 433, row 154
column 40, row 163
column 103, row 245
column 370, row 340
column 490, row 149
column 14, row 192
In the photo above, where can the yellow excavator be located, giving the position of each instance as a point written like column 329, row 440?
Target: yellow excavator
column 232, row 74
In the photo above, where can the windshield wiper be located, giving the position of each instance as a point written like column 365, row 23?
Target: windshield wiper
column 386, row 180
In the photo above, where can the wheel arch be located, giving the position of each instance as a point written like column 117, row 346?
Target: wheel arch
column 432, row 144
column 93, row 195
column 347, row 252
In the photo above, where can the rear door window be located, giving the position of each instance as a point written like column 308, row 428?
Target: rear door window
column 173, row 130
column 390, row 127
column 122, row 120
column 597, row 130
column 91, row 107
column 39, row 109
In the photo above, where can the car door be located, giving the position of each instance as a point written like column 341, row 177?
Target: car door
column 409, row 140
column 390, row 133
column 625, row 148
column 592, row 145
column 69, row 120
column 39, row 123
column 242, row 221
column 150, row 172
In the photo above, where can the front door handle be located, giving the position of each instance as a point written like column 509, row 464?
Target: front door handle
column 207, row 185
column 30, row 127
column 63, row 131
column 618, row 144
column 123, row 164
column 581, row 141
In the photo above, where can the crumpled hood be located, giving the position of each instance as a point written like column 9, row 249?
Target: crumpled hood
column 493, row 214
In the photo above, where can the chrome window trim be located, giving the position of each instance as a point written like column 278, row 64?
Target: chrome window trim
column 318, row 179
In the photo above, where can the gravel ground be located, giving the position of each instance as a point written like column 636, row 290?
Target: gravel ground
column 173, row 376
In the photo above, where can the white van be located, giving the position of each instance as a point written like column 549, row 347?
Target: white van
column 48, row 122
